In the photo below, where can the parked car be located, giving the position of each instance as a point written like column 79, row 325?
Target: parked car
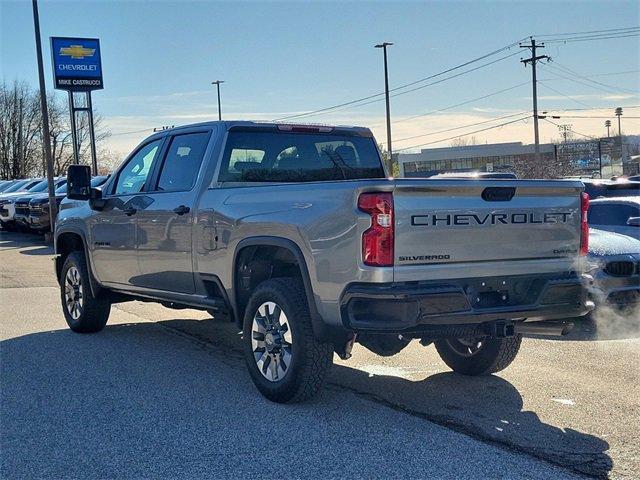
column 7, row 200
column 21, row 215
column 5, row 184
column 611, row 188
column 39, row 205
column 616, row 259
column 297, row 234
column 616, row 214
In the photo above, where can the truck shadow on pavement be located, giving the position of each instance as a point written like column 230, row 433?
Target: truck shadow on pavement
column 134, row 402
column 487, row 408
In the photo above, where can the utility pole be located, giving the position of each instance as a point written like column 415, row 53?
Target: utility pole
column 608, row 125
column 384, row 46
column 618, row 113
column 217, row 84
column 533, row 60
column 46, row 135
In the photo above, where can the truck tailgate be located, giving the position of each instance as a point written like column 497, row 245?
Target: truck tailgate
column 444, row 221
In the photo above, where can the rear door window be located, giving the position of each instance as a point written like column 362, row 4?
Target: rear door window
column 182, row 162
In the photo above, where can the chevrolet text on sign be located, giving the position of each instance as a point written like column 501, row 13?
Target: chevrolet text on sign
column 76, row 63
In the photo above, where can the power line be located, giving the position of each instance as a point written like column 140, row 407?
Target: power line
column 441, row 80
column 339, row 107
column 369, row 97
column 610, row 30
column 611, row 74
column 588, row 39
column 571, row 72
column 574, row 116
column 566, row 96
column 463, row 126
column 466, row 102
column 464, row 134
column 586, row 109
column 131, row 132
column 553, row 72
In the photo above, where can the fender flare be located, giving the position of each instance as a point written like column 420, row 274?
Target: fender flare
column 319, row 327
column 95, row 286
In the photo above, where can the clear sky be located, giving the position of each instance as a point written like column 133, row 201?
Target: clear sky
column 279, row 59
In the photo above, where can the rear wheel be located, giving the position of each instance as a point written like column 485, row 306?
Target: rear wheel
column 478, row 356
column 83, row 312
column 285, row 361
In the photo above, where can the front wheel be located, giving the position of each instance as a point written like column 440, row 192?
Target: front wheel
column 83, row 312
column 478, row 356
column 286, row 362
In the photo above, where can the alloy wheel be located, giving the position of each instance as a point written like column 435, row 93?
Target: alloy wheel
column 271, row 341
column 73, row 293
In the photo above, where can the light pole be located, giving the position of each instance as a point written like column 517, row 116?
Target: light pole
column 608, row 125
column 384, row 46
column 619, row 114
column 217, row 84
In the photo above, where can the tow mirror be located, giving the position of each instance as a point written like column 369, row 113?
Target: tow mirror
column 79, row 182
column 633, row 222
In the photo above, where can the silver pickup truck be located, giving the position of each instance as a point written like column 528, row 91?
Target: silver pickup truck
column 296, row 233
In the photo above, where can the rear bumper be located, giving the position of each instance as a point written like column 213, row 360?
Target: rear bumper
column 403, row 307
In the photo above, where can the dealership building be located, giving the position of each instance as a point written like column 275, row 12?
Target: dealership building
column 492, row 157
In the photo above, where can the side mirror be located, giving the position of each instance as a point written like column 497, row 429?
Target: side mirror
column 633, row 222
column 79, row 182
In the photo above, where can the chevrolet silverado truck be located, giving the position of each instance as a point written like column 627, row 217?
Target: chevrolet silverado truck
column 297, row 234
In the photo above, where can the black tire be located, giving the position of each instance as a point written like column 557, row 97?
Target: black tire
column 94, row 311
column 310, row 359
column 494, row 355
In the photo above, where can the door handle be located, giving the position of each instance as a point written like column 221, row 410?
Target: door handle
column 130, row 211
column 181, row 210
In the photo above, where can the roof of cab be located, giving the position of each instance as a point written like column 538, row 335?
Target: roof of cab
column 229, row 124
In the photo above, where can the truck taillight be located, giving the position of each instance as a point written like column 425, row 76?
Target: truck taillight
column 377, row 240
column 584, row 225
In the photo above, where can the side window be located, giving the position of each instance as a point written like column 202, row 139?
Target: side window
column 182, row 162
column 133, row 176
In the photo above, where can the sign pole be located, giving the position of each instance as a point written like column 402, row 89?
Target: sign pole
column 46, row 136
column 74, row 131
column 92, row 136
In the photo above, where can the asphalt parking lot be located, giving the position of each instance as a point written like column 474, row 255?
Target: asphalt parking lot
column 163, row 393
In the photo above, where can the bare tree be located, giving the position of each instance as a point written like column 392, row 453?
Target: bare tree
column 20, row 142
column 21, row 132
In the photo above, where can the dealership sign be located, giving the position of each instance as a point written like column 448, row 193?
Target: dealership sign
column 76, row 63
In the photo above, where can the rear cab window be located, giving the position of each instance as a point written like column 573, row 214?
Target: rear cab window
column 283, row 157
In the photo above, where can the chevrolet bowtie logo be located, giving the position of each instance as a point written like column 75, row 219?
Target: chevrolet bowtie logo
column 77, row 51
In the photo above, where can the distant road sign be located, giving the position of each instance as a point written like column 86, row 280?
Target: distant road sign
column 76, row 63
